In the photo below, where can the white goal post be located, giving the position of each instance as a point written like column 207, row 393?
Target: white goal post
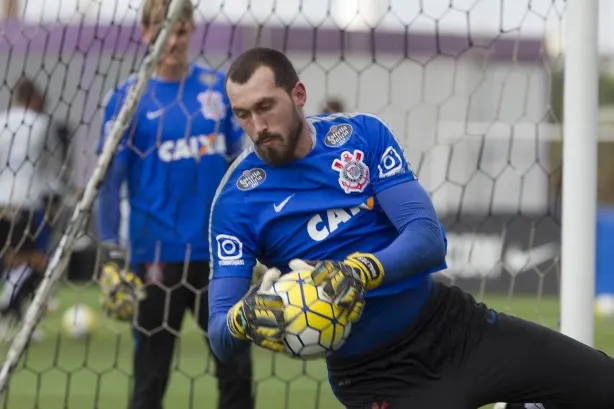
column 579, row 212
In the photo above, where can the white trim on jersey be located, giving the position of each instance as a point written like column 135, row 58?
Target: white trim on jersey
column 248, row 151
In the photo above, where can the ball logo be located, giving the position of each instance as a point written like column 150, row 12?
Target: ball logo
column 353, row 172
column 251, row 178
column 338, row 135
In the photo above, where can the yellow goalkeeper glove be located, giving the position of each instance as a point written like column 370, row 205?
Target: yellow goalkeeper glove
column 346, row 282
column 121, row 289
column 259, row 317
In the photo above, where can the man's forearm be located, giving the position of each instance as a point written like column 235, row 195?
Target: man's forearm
column 420, row 246
column 108, row 214
column 223, row 294
column 224, row 345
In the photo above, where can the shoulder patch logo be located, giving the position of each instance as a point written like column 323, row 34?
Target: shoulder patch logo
column 353, row 172
column 251, row 178
column 338, row 135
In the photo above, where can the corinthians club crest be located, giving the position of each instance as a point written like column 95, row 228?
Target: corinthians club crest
column 353, row 172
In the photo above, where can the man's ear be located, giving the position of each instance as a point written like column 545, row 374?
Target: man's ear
column 299, row 94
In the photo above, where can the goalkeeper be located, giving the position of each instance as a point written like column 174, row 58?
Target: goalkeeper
column 337, row 189
column 173, row 156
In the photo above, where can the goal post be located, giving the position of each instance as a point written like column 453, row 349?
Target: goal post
column 579, row 202
column 470, row 89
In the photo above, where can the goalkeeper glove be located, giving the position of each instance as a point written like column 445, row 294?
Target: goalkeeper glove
column 346, row 282
column 259, row 317
column 121, row 289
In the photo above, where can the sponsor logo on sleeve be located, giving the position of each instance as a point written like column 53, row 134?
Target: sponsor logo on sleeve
column 353, row 172
column 251, row 178
column 229, row 250
column 338, row 135
column 390, row 163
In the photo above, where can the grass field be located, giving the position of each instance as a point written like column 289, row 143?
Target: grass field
column 60, row 372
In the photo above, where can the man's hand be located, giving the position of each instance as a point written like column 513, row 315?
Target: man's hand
column 346, row 282
column 121, row 289
column 258, row 317
column 113, row 253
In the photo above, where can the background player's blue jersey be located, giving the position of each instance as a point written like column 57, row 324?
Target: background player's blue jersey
column 323, row 206
column 176, row 151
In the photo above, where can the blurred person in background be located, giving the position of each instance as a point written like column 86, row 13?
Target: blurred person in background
column 31, row 161
column 173, row 156
column 333, row 105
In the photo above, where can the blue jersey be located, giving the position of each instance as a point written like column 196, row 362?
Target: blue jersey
column 323, row 206
column 176, row 151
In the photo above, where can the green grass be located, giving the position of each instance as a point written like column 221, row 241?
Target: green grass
column 60, row 372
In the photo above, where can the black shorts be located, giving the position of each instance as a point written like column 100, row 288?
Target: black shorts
column 18, row 231
column 459, row 354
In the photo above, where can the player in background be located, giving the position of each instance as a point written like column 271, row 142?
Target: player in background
column 173, row 156
column 333, row 105
column 338, row 189
column 30, row 172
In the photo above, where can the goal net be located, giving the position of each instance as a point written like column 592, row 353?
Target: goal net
column 472, row 90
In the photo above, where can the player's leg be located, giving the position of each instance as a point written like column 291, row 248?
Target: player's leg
column 234, row 379
column 458, row 355
column 23, row 266
column 508, row 359
column 159, row 318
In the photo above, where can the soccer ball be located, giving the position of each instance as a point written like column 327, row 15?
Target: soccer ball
column 604, row 306
column 314, row 326
column 79, row 321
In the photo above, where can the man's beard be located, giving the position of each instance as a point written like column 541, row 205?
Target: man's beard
column 285, row 152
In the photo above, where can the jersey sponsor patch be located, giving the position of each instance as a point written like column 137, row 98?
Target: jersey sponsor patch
column 251, row 178
column 338, row 135
column 212, row 105
column 353, row 172
column 390, row 163
column 229, row 250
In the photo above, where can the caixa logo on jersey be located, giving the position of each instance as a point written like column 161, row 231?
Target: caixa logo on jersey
column 338, row 135
column 251, row 178
column 192, row 148
column 353, row 172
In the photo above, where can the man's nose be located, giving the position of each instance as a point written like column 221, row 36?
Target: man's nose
column 259, row 124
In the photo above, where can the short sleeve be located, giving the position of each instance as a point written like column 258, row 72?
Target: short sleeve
column 231, row 242
column 112, row 105
column 385, row 157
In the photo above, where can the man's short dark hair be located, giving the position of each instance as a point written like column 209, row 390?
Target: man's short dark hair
column 26, row 92
column 242, row 69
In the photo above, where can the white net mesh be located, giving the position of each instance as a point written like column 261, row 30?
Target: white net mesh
column 467, row 87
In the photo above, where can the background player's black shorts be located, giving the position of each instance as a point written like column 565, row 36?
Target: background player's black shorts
column 18, row 230
column 459, row 354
